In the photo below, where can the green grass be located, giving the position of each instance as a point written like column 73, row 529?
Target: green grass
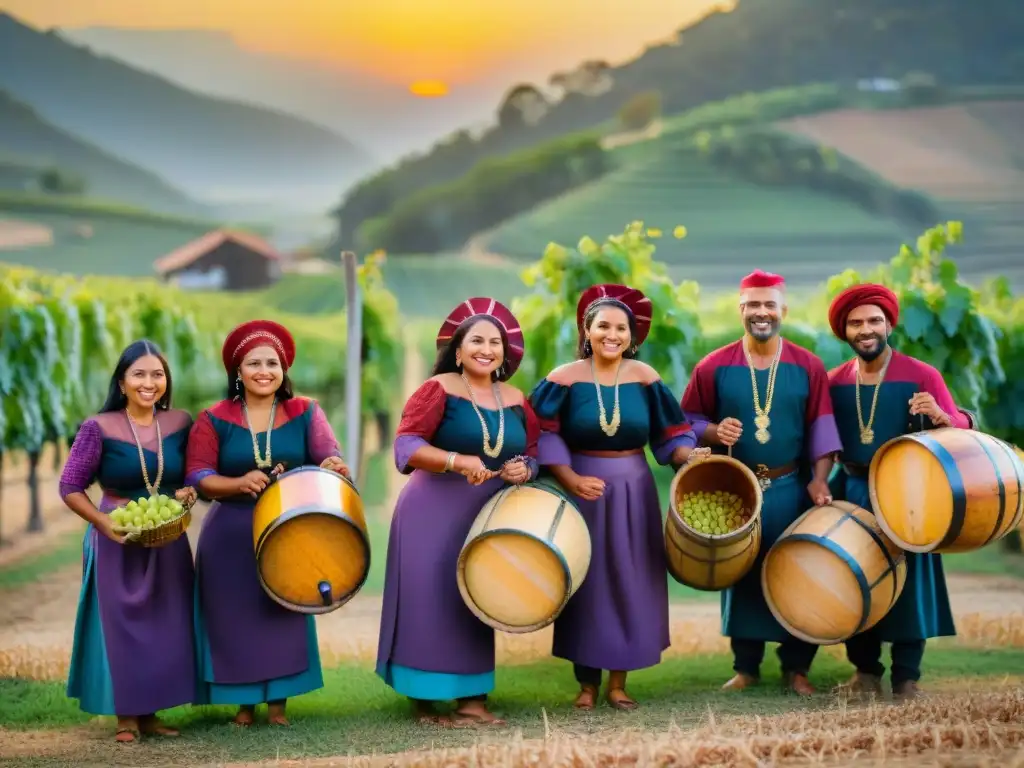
column 355, row 713
column 733, row 225
column 426, row 286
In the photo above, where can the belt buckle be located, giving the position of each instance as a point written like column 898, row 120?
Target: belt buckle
column 762, row 477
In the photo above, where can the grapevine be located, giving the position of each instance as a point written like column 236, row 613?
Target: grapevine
column 60, row 338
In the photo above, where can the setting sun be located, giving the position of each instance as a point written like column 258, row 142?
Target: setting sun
column 428, row 89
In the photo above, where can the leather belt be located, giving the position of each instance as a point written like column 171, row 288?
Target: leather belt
column 855, row 470
column 765, row 475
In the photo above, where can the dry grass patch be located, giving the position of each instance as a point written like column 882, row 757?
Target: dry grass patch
column 948, row 730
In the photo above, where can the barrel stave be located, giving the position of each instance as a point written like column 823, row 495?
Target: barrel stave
column 526, row 554
column 704, row 561
column 832, row 574
column 309, row 527
column 947, row 490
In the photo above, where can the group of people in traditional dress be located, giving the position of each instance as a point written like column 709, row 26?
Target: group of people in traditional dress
column 464, row 434
column 154, row 629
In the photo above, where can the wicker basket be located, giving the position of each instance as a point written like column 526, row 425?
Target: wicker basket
column 160, row 535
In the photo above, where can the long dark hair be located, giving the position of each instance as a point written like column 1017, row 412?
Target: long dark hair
column 235, row 388
column 445, row 362
column 118, row 400
column 583, row 349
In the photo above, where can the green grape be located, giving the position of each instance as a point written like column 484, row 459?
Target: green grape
column 163, row 498
column 137, row 521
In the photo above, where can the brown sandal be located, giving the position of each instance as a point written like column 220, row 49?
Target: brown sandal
column 133, row 735
column 461, row 719
column 587, row 698
column 154, row 727
column 620, row 701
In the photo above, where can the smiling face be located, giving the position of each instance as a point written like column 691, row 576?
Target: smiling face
column 609, row 333
column 261, row 371
column 481, row 352
column 145, row 382
column 867, row 331
column 762, row 311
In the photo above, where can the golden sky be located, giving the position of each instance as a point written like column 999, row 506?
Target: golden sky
column 401, row 40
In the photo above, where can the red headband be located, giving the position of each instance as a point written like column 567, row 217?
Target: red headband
column 257, row 333
column 639, row 305
column 759, row 279
column 481, row 305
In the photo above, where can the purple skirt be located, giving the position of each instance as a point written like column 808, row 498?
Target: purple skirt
column 250, row 637
column 424, row 622
column 134, row 652
column 618, row 618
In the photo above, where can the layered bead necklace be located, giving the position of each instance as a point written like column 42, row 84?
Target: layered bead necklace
column 155, row 487
column 500, row 442
column 608, row 427
column 263, row 462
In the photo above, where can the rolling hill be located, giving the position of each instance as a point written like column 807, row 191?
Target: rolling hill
column 376, row 113
column 759, row 46
column 213, row 149
column 733, row 225
column 970, row 157
column 36, row 144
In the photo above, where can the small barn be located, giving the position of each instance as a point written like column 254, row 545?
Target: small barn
column 222, row 260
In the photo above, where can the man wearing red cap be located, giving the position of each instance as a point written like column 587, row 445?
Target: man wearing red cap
column 765, row 400
column 878, row 395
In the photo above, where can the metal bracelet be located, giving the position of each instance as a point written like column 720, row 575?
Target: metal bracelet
column 450, row 462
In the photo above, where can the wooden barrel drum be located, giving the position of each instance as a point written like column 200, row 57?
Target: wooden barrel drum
column 707, row 561
column 525, row 556
column 946, row 490
column 832, row 574
column 312, row 547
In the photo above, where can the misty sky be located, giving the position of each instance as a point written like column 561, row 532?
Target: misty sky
column 457, row 41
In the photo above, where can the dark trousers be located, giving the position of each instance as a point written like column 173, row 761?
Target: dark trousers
column 794, row 655
column 587, row 675
column 865, row 653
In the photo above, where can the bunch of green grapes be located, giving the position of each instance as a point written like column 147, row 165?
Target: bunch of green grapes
column 714, row 512
column 148, row 513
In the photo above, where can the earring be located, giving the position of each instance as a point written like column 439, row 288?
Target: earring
column 587, row 349
column 238, row 383
column 458, row 363
column 632, row 349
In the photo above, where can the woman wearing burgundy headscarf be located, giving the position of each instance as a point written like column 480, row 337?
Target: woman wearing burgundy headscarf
column 252, row 650
column 597, row 415
column 465, row 433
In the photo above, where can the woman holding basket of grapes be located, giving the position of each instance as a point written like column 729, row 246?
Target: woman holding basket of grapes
column 133, row 651
column 252, row 650
column 597, row 414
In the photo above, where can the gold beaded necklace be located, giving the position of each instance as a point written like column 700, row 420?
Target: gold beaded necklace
column 761, row 419
column 608, row 427
column 261, row 462
column 155, row 487
column 500, row 442
column 867, row 434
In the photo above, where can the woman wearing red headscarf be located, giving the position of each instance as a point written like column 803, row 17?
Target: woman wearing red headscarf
column 597, row 414
column 251, row 650
column 464, row 434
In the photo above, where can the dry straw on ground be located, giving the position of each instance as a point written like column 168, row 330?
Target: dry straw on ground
column 968, row 729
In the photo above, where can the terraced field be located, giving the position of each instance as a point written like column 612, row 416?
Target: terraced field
column 733, row 225
column 84, row 244
column 969, row 157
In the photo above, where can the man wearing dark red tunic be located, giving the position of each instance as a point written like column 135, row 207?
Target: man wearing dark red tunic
column 766, row 401
column 878, row 395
